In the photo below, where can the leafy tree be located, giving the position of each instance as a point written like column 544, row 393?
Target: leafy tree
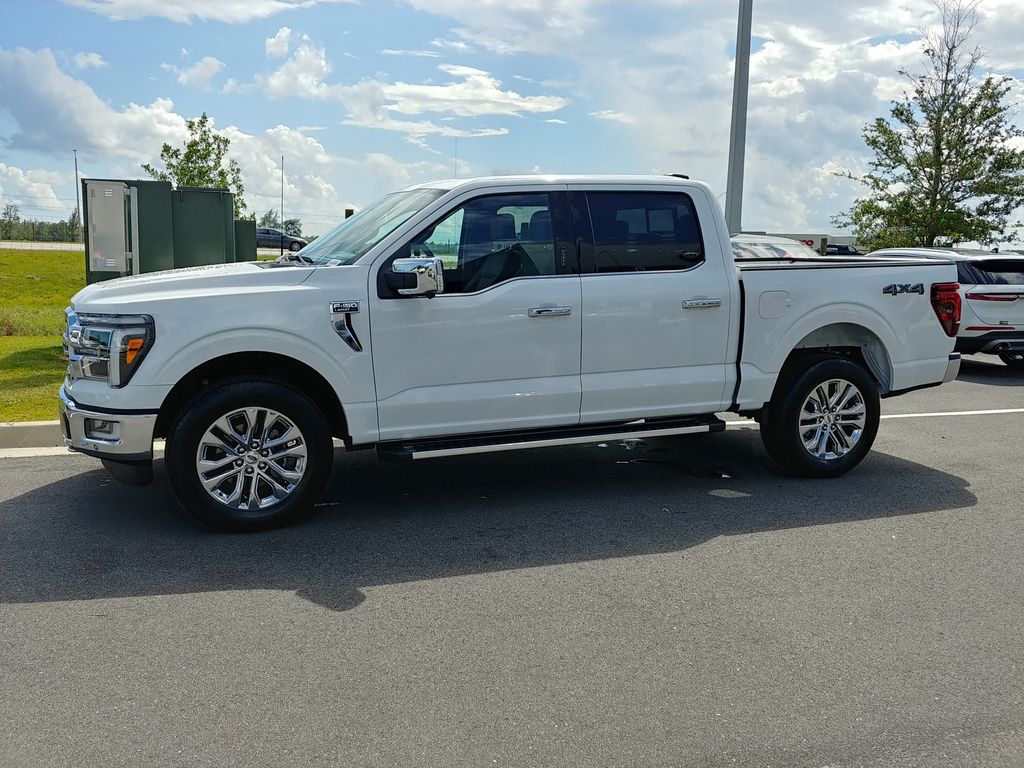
column 74, row 226
column 8, row 219
column 944, row 168
column 270, row 219
column 201, row 162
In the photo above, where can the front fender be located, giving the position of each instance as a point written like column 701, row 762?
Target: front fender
column 329, row 362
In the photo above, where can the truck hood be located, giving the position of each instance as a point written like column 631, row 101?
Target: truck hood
column 117, row 295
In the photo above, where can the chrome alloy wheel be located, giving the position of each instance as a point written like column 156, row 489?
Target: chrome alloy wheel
column 251, row 458
column 832, row 419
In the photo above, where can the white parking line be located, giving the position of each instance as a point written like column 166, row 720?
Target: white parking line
column 24, row 453
column 990, row 412
column 932, row 415
column 158, row 446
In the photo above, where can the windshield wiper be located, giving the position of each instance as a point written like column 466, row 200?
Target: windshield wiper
column 293, row 256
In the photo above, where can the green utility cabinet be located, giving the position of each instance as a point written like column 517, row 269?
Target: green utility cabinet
column 138, row 226
column 245, row 239
column 204, row 226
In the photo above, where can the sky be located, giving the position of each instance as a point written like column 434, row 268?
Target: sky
column 362, row 98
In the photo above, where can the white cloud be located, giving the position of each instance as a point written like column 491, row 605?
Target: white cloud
column 420, row 54
column 199, row 74
column 556, row 121
column 32, row 190
column 300, row 76
column 471, row 93
column 278, row 45
column 612, row 116
column 90, row 60
column 460, row 46
column 515, row 26
column 184, row 11
column 53, row 112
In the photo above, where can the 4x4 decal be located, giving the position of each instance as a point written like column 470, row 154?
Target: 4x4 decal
column 895, row 289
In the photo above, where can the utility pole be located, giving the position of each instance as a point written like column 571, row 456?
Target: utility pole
column 78, row 201
column 738, row 132
column 282, row 205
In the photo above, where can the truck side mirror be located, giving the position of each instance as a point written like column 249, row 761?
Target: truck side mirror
column 416, row 277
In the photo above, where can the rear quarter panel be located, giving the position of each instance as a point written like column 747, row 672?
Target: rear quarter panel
column 785, row 305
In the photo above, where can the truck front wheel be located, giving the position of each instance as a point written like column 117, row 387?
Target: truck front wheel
column 249, row 455
column 823, row 417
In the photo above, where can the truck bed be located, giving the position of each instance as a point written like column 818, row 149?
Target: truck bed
column 878, row 305
column 834, row 262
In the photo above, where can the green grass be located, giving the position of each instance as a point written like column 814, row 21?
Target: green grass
column 35, row 286
column 31, row 369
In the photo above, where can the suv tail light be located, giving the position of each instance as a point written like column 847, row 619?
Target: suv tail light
column 946, row 303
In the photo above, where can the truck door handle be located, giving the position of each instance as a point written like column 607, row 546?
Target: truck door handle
column 701, row 303
column 550, row 311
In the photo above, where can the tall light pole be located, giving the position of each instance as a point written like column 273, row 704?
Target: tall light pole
column 78, row 202
column 282, row 205
column 738, row 132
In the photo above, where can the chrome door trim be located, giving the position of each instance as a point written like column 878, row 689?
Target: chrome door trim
column 701, row 303
column 550, row 311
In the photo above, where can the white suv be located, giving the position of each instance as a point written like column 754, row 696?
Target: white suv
column 992, row 295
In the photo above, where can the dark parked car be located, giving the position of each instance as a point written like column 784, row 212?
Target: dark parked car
column 835, row 249
column 267, row 237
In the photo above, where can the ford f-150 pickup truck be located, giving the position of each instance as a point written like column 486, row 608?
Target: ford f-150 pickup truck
column 493, row 314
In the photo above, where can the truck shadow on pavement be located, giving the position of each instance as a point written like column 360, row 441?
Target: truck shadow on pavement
column 985, row 369
column 86, row 537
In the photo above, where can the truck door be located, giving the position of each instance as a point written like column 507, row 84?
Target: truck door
column 656, row 295
column 499, row 348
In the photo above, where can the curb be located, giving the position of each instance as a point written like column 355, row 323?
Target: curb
column 31, row 434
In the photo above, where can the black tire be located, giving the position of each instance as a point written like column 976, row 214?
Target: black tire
column 1012, row 359
column 181, row 455
column 781, row 419
column 294, row 247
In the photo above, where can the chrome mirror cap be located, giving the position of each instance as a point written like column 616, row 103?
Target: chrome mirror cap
column 425, row 276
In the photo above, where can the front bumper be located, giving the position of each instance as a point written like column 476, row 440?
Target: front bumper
column 128, row 437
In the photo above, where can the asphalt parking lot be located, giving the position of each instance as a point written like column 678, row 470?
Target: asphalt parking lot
column 670, row 603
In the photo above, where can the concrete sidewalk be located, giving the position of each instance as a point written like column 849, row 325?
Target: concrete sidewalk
column 30, row 434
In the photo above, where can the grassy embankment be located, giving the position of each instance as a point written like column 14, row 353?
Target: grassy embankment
column 35, row 286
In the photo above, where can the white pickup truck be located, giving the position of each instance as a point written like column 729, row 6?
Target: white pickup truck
column 493, row 314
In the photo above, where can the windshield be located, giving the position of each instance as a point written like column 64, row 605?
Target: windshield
column 348, row 241
column 747, row 250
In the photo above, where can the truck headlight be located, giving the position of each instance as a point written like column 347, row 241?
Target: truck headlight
column 106, row 347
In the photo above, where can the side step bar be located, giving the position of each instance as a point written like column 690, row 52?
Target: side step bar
column 546, row 438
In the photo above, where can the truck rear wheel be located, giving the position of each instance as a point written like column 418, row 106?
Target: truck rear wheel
column 823, row 417
column 249, row 455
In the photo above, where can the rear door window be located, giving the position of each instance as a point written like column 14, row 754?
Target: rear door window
column 644, row 231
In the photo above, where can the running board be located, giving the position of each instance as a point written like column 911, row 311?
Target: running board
column 546, row 438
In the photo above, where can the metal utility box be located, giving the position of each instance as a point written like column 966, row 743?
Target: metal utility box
column 152, row 215
column 137, row 226
column 204, row 226
column 245, row 240
column 107, row 240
